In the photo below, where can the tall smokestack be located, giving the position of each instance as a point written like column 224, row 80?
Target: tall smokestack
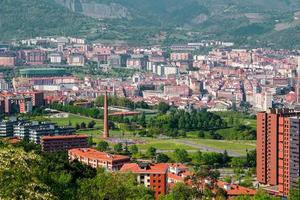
column 106, row 128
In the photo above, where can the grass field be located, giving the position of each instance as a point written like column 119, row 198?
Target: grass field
column 192, row 143
column 165, row 145
column 236, row 146
column 76, row 119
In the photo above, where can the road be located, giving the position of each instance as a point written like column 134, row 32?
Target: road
column 209, row 149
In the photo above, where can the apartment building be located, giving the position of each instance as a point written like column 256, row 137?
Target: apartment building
column 278, row 149
column 63, row 142
column 97, row 159
column 154, row 176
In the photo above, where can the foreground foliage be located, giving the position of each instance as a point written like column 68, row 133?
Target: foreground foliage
column 27, row 174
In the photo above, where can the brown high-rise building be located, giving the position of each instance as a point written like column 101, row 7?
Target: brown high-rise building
column 106, row 128
column 278, row 149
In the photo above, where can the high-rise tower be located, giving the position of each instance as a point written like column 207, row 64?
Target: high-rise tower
column 278, row 149
column 106, row 128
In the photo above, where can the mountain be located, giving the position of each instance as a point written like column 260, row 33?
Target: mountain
column 273, row 23
column 30, row 18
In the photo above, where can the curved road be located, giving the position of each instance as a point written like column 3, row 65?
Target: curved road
column 209, row 149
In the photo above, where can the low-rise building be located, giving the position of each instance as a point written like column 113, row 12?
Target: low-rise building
column 7, row 128
column 97, row 159
column 63, row 142
column 7, row 59
column 154, row 176
column 76, row 60
column 55, row 58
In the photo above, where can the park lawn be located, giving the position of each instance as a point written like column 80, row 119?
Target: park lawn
column 238, row 146
column 164, row 145
column 75, row 119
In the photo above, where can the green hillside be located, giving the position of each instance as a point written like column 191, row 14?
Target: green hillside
column 274, row 23
column 30, row 18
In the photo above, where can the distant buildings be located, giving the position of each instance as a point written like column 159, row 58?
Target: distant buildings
column 7, row 128
column 42, row 72
column 7, row 59
column 76, row 60
column 22, row 102
column 32, row 131
column 96, row 158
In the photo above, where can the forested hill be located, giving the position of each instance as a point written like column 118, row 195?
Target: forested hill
column 30, row 18
column 246, row 22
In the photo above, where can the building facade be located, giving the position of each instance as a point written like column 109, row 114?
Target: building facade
column 63, row 142
column 278, row 149
column 97, row 159
column 154, row 176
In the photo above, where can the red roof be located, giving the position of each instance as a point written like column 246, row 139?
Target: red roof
column 161, row 168
column 175, row 177
column 236, row 190
column 64, row 137
column 97, row 155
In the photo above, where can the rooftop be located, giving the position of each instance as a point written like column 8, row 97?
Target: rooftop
column 160, row 168
column 63, row 137
column 97, row 155
column 236, row 190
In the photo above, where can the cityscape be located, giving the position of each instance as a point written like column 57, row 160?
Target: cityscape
column 196, row 119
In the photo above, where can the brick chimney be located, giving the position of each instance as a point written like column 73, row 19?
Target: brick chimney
column 106, row 128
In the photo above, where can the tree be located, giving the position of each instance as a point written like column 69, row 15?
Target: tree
column 102, row 146
column 251, row 158
column 198, row 159
column 116, row 186
column 221, row 194
column 77, row 126
column 142, row 120
column 163, row 107
column 133, row 149
column 90, row 141
column 294, row 193
column 18, row 176
column 118, row 147
column 201, row 134
column 226, row 157
column 151, row 152
column 83, row 125
column 180, row 192
column 91, row 124
column 208, row 194
column 162, row 158
column 239, row 162
column 181, row 156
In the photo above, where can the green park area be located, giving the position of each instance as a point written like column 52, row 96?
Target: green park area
column 190, row 142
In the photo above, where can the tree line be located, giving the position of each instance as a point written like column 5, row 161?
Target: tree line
column 88, row 112
column 121, row 101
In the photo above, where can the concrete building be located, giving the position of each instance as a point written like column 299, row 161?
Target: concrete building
column 63, row 142
column 7, row 59
column 55, row 58
column 278, row 149
column 33, row 57
column 154, row 176
column 97, row 159
column 76, row 60
column 7, row 128
column 36, row 134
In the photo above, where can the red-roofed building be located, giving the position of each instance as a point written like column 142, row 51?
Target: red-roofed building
column 97, row 159
column 64, row 142
column 233, row 190
column 177, row 173
column 153, row 176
